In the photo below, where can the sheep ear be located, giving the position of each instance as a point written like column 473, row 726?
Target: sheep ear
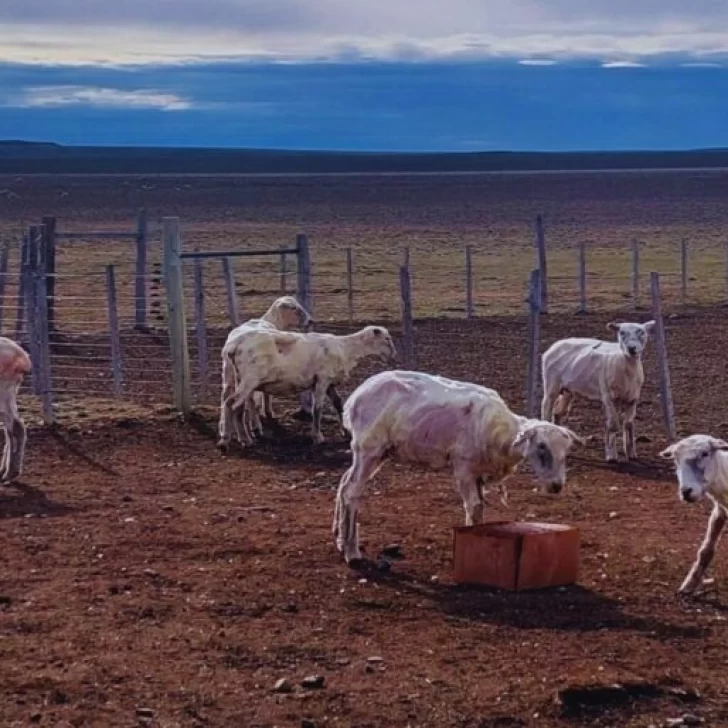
column 719, row 445
column 669, row 452
column 577, row 439
column 648, row 326
column 612, row 326
column 522, row 439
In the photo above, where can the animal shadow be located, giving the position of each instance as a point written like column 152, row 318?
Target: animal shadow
column 29, row 501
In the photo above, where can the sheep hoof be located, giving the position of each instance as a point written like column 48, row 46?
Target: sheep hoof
column 223, row 447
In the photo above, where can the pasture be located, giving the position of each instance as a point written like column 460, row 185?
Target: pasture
column 145, row 580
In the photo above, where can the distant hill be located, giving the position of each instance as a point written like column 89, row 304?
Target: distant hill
column 22, row 157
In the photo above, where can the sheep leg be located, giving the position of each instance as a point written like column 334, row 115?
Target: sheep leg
column 472, row 495
column 562, row 407
column 611, row 431
column 319, row 394
column 252, row 408
column 547, row 403
column 225, row 426
column 707, row 550
column 338, row 406
column 7, row 448
column 629, row 436
column 268, row 407
column 346, row 529
column 16, row 457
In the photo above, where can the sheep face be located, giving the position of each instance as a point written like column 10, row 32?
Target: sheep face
column 545, row 447
column 632, row 338
column 293, row 315
column 696, row 464
column 380, row 344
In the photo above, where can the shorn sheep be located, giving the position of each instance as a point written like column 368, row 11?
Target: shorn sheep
column 427, row 419
column 606, row 371
column 14, row 365
column 701, row 463
column 284, row 314
column 277, row 362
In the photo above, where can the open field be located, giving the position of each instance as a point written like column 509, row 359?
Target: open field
column 145, row 580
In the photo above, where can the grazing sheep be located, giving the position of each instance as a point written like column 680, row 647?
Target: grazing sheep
column 277, row 362
column 421, row 418
column 285, row 313
column 14, row 365
column 610, row 372
column 701, row 462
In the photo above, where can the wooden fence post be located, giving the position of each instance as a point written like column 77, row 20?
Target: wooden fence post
column 114, row 335
column 534, row 335
column 4, row 257
column 22, row 285
column 407, row 323
column 635, row 274
column 232, row 296
column 582, row 277
column 303, row 288
column 668, row 412
column 176, row 313
column 469, row 312
column 200, row 323
column 140, row 280
column 406, row 256
column 31, row 305
column 684, row 271
column 49, row 256
column 350, row 285
column 283, row 271
column 43, row 345
column 541, row 248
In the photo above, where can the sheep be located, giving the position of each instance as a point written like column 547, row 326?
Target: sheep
column 442, row 423
column 701, row 462
column 285, row 313
column 610, row 372
column 277, row 362
column 14, row 365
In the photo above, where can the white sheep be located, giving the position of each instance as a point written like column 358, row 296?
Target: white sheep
column 284, row 314
column 278, row 362
column 441, row 423
column 14, row 365
column 610, row 372
column 701, row 462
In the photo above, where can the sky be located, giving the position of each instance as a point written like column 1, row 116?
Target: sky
column 390, row 75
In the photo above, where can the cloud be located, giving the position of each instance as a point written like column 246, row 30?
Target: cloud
column 537, row 62
column 622, row 64
column 137, row 32
column 53, row 96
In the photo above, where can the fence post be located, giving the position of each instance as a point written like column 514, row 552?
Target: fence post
column 406, row 256
column 303, row 289
column 541, row 247
column 200, row 324
column 407, row 324
column 140, row 283
column 176, row 313
column 635, row 274
column 668, row 412
column 350, row 285
column 232, row 296
column 43, row 346
column 582, row 277
column 469, row 281
column 684, row 271
column 4, row 256
column 31, row 306
column 114, row 335
column 534, row 335
column 22, row 285
column 283, row 269
column 49, row 256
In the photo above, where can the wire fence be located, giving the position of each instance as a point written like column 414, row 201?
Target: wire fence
column 100, row 359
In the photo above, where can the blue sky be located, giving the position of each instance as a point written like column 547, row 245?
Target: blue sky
column 462, row 75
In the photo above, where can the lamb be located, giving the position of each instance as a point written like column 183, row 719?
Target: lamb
column 14, row 365
column 442, row 423
column 701, row 462
column 285, row 313
column 610, row 372
column 277, row 362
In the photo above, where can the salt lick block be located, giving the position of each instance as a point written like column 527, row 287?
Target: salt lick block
column 516, row 556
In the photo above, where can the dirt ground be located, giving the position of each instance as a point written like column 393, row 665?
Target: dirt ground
column 146, row 580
